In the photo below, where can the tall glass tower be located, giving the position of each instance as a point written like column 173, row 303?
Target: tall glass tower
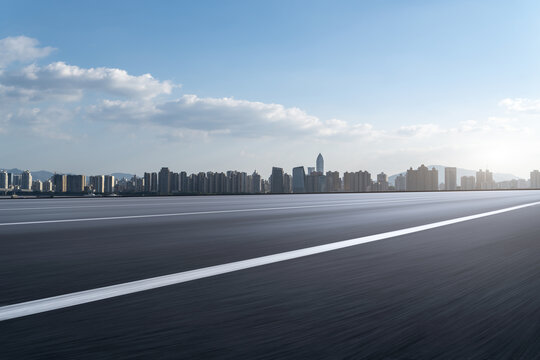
column 320, row 164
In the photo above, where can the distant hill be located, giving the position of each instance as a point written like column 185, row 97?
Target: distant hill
column 122, row 175
column 460, row 172
column 42, row 175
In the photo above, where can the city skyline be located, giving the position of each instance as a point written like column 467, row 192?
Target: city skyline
column 315, row 180
column 366, row 101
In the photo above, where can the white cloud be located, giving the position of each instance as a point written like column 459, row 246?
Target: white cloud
column 521, row 104
column 49, row 122
column 21, row 49
column 191, row 114
column 63, row 79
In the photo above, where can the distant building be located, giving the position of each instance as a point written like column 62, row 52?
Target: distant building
column 75, row 183
column 401, row 183
column 37, row 185
column 484, row 180
column 382, row 183
column 256, row 183
column 17, row 180
column 422, row 179
column 97, row 183
column 10, row 179
column 26, row 180
column 276, row 182
column 333, row 182
column 60, row 183
column 359, row 181
column 153, row 182
column 287, row 183
column 535, row 179
column 320, row 164
column 4, row 182
column 450, row 178
column 310, row 169
column 299, row 180
column 108, row 184
column 147, row 182
column 164, row 181
column 48, row 186
column 468, row 183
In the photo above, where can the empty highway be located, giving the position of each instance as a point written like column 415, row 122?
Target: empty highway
column 360, row 276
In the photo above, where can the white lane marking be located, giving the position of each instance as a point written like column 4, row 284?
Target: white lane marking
column 82, row 297
column 209, row 212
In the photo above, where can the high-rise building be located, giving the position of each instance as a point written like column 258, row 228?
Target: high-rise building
column 310, row 169
column 382, row 183
column 333, row 182
column 535, row 179
column 450, row 178
column 48, row 186
column 276, row 182
column 26, row 180
column 299, row 180
column 60, row 183
column 75, row 183
column 153, row 182
column 164, row 181
column 97, row 183
column 4, row 183
column 17, row 180
column 422, row 179
column 468, row 183
column 401, row 183
column 484, row 180
column 108, row 184
column 256, row 181
column 175, row 182
column 359, row 181
column 147, row 182
column 287, row 183
column 37, row 185
column 320, row 164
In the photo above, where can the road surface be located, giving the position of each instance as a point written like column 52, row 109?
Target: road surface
column 465, row 286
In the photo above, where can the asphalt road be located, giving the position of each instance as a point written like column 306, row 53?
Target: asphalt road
column 466, row 290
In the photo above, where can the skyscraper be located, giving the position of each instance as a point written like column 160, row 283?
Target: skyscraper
column 320, row 164
column 422, row 179
column 333, row 182
column 147, row 182
column 108, row 184
column 256, row 182
column 97, row 183
column 450, row 178
column 535, row 179
column 299, row 180
column 468, row 183
column 401, row 183
column 26, row 180
column 382, row 183
column 4, row 183
column 164, row 181
column 484, row 180
column 75, row 183
column 276, row 184
column 59, row 183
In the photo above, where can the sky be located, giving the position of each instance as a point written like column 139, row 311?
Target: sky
column 131, row 86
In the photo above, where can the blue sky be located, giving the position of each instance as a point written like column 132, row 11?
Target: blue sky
column 378, row 85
